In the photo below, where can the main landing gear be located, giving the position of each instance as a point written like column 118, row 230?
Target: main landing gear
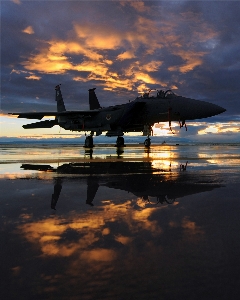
column 147, row 142
column 119, row 142
column 89, row 142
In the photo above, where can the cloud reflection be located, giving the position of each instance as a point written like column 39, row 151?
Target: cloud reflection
column 88, row 235
column 51, row 234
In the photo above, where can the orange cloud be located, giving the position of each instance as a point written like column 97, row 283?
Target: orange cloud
column 123, row 239
column 221, row 128
column 139, row 6
column 28, row 30
column 152, row 66
column 69, row 47
column 146, row 33
column 47, row 62
column 99, row 255
column 192, row 59
column 126, row 55
column 33, row 77
column 147, row 79
column 80, row 78
column 104, row 38
column 16, row 2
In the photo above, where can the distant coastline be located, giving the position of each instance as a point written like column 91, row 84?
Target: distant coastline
column 102, row 140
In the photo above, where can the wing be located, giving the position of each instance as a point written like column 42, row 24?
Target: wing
column 41, row 124
column 40, row 115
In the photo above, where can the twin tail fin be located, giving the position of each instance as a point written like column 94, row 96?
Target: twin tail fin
column 59, row 99
column 93, row 100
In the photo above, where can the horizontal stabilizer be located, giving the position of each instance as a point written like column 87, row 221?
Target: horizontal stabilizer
column 42, row 124
column 31, row 116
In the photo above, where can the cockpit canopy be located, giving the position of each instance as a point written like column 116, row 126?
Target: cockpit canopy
column 159, row 94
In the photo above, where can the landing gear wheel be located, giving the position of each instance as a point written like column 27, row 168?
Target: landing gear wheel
column 147, row 142
column 89, row 142
column 120, row 142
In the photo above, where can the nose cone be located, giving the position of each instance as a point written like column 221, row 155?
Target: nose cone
column 211, row 109
column 196, row 109
column 220, row 109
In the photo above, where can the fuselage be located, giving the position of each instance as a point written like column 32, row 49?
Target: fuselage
column 138, row 115
column 143, row 111
column 178, row 108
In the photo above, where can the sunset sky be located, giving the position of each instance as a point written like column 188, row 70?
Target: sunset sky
column 122, row 48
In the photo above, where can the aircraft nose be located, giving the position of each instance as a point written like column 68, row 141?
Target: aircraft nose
column 206, row 109
column 198, row 109
column 221, row 109
column 216, row 109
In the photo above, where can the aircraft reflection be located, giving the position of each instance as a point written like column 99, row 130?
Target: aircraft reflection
column 139, row 178
column 56, row 193
column 89, row 152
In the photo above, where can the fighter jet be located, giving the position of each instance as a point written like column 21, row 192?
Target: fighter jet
column 138, row 115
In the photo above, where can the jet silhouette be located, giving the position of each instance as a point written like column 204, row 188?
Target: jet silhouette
column 138, row 115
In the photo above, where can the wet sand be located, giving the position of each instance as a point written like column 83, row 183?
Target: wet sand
column 126, row 224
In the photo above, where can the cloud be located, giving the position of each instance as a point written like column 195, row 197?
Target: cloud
column 17, row 71
column 87, row 50
column 222, row 128
column 126, row 55
column 103, row 39
column 28, row 30
column 122, row 48
column 16, row 1
column 47, row 61
column 33, row 77
column 191, row 59
column 139, row 6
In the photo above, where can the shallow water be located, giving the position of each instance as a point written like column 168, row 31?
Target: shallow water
column 127, row 224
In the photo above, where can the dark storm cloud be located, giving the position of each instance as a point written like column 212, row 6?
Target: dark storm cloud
column 218, row 76
column 121, row 48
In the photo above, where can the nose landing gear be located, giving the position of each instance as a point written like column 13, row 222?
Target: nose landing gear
column 89, row 142
column 120, row 142
column 147, row 142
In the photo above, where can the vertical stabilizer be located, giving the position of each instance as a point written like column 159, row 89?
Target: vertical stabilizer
column 59, row 99
column 93, row 100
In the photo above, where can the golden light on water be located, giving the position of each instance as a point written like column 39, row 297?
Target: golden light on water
column 46, row 233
